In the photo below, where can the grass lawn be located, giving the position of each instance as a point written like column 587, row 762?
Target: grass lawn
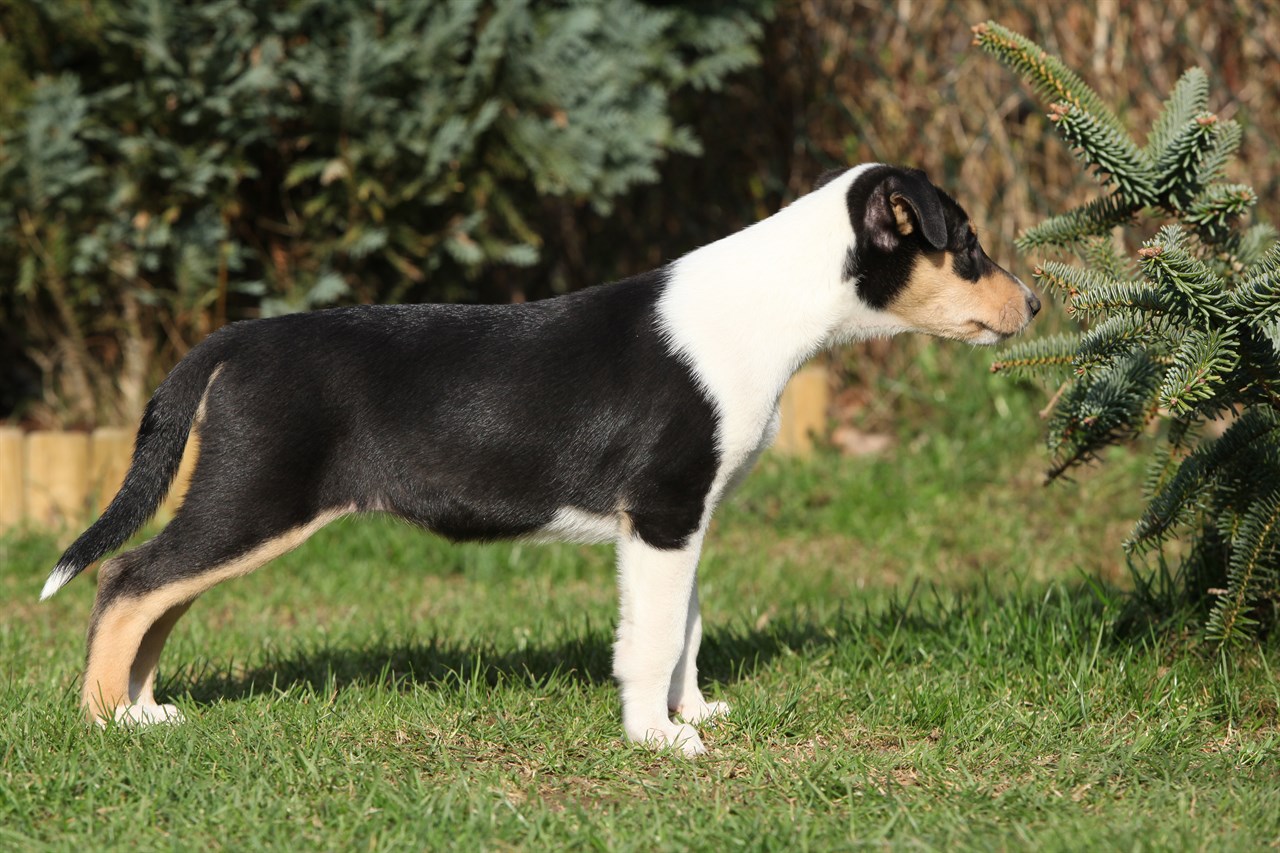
column 923, row 650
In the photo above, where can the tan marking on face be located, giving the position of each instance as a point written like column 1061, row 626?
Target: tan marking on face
column 129, row 631
column 937, row 301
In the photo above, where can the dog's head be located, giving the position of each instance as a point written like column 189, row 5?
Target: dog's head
column 916, row 257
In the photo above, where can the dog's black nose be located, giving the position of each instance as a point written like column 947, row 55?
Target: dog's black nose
column 1033, row 304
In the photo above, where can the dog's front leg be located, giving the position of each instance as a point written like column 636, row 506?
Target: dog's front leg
column 684, row 699
column 654, row 588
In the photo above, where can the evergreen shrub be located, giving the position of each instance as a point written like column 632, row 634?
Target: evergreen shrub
column 1174, row 335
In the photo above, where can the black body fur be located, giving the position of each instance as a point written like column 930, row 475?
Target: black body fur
column 444, row 415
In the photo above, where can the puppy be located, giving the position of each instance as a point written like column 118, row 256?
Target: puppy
column 622, row 413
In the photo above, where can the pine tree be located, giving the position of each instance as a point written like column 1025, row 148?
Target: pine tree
column 1185, row 332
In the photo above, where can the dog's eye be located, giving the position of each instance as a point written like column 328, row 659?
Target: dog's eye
column 969, row 259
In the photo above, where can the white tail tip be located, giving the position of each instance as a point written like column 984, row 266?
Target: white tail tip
column 57, row 579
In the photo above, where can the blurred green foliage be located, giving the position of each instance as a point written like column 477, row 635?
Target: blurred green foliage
column 168, row 167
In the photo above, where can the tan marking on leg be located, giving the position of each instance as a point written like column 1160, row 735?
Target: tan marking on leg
column 142, row 675
column 937, row 301
column 117, row 632
column 122, row 646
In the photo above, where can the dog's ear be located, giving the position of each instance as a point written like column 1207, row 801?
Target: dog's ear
column 893, row 204
column 914, row 201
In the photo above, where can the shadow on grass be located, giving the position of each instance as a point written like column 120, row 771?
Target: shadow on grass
column 1046, row 621
column 585, row 658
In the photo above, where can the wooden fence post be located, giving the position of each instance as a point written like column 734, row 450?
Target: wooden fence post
column 12, row 510
column 110, row 449
column 804, row 411
column 57, row 481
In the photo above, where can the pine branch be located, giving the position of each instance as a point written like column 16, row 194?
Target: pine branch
column 1252, row 554
column 1038, row 355
column 1106, row 408
column 1191, row 484
column 1225, row 144
column 1115, row 337
column 1215, row 211
column 1047, row 74
column 1107, row 296
column 1257, row 297
column 1189, row 97
column 1199, row 365
column 1169, row 266
column 1177, row 169
column 1109, row 151
column 1093, row 219
column 1065, row 281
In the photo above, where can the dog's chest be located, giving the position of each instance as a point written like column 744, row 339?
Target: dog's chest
column 735, row 468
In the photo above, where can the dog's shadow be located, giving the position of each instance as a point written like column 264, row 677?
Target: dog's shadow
column 728, row 654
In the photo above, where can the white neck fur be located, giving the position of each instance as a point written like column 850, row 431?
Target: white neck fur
column 747, row 311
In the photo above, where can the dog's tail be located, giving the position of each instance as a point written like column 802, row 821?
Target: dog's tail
column 162, row 436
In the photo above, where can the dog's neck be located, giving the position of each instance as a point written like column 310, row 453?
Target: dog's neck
column 747, row 311
column 766, row 299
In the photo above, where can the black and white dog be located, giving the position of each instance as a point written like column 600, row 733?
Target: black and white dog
column 621, row 413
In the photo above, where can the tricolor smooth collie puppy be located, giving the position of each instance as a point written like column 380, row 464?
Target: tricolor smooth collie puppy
column 621, row 413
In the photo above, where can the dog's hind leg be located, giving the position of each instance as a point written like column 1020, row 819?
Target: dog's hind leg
column 684, row 699
column 142, row 674
column 143, row 593
column 654, row 586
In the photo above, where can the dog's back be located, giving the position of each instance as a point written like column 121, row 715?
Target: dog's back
column 445, row 415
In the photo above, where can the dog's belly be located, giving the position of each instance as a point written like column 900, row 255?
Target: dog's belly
column 475, row 513
column 576, row 525
column 468, row 496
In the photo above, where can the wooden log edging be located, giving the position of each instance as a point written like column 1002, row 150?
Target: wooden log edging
column 12, row 506
column 58, row 480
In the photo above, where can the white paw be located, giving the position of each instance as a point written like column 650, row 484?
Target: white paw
column 670, row 736
column 701, row 711
column 140, row 714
